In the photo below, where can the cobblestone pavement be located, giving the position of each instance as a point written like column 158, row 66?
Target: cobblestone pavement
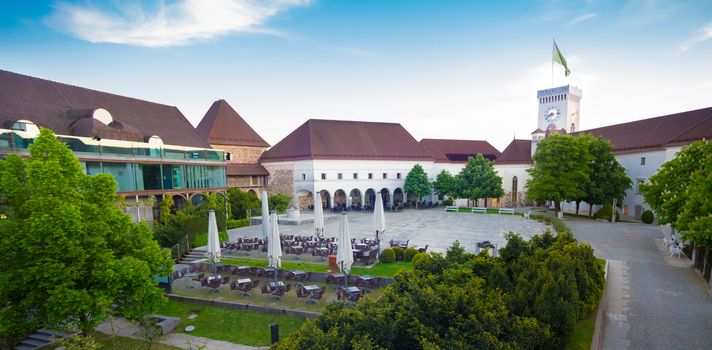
column 435, row 227
column 654, row 301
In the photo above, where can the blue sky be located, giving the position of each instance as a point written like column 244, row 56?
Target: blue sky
column 443, row 69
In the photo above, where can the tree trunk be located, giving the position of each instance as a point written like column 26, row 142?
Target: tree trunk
column 590, row 210
column 557, row 207
column 485, row 202
column 578, row 203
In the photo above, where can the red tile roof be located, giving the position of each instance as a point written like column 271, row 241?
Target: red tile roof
column 338, row 139
column 457, row 151
column 221, row 125
column 55, row 106
column 517, row 152
column 246, row 169
column 669, row 130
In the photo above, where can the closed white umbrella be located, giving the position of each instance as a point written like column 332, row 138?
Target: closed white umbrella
column 344, row 254
column 214, row 253
column 318, row 216
column 274, row 247
column 379, row 220
column 265, row 215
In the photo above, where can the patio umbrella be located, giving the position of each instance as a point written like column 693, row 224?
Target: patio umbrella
column 344, row 254
column 318, row 216
column 214, row 252
column 265, row 215
column 274, row 247
column 379, row 220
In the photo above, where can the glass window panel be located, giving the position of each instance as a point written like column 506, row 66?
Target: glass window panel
column 123, row 174
column 116, row 151
column 151, row 176
column 93, row 168
column 174, row 154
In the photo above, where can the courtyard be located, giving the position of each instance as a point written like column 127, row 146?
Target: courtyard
column 433, row 227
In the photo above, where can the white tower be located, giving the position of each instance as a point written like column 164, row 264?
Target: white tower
column 559, row 110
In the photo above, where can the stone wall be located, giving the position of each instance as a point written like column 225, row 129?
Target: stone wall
column 281, row 179
column 242, row 154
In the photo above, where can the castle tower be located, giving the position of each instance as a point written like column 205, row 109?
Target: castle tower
column 559, row 110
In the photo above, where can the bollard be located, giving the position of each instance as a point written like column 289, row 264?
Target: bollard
column 274, row 328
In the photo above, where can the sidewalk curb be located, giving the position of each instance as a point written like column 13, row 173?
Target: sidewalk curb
column 598, row 330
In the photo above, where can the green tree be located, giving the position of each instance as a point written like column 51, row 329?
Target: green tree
column 680, row 192
column 444, row 184
column 561, row 165
column 478, row 179
column 69, row 255
column 241, row 202
column 416, row 182
column 608, row 179
column 166, row 206
column 279, row 202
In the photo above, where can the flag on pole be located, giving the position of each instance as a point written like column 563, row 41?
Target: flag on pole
column 559, row 58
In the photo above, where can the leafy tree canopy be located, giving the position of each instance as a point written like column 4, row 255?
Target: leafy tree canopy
column 416, row 182
column 478, row 179
column 69, row 256
column 444, row 184
column 561, row 165
column 608, row 179
column 279, row 202
column 241, row 202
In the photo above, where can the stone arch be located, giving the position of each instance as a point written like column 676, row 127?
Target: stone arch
column 339, row 198
column 370, row 198
column 386, row 196
column 515, row 189
column 355, row 195
column 178, row 201
column 398, row 197
column 197, row 199
column 253, row 192
column 325, row 198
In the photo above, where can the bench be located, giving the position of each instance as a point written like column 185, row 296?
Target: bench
column 452, row 208
column 509, row 211
column 480, row 210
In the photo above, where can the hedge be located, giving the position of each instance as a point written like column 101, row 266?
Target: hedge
column 387, row 256
column 647, row 217
column 409, row 254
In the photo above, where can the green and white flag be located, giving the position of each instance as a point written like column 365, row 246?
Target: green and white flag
column 559, row 58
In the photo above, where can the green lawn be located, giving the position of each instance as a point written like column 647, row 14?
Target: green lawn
column 202, row 239
column 121, row 343
column 379, row 270
column 583, row 333
column 236, row 326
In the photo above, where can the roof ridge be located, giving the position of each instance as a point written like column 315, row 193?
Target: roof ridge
column 690, row 128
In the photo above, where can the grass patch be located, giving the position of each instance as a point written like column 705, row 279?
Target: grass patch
column 379, row 270
column 202, row 239
column 583, row 333
column 602, row 264
column 236, row 326
column 121, row 343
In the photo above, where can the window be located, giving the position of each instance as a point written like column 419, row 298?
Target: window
column 340, row 176
column 323, row 176
column 304, row 177
column 514, row 189
column 228, row 156
column 398, row 176
column 355, row 176
column 642, row 160
column 385, row 175
column 572, row 127
column 370, row 176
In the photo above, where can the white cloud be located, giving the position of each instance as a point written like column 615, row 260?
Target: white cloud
column 178, row 23
column 705, row 33
column 582, row 18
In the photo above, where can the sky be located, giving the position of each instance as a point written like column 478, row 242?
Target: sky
column 443, row 69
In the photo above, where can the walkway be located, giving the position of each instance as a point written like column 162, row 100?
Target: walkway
column 124, row 328
column 654, row 302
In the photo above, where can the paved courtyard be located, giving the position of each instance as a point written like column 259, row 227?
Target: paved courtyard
column 435, row 227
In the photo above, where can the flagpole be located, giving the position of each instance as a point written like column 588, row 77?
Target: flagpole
column 553, row 44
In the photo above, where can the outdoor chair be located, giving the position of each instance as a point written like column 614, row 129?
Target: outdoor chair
column 316, row 295
column 245, row 289
column 424, row 249
column 404, row 245
column 265, row 289
column 669, row 241
column 340, row 294
column 301, row 293
column 204, row 282
column 394, row 244
column 225, row 279
column 676, row 249
column 278, row 294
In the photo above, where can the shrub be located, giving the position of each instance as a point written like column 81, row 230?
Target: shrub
column 605, row 213
column 419, row 257
column 647, row 217
column 231, row 223
column 448, row 201
column 387, row 256
column 409, row 254
column 399, row 253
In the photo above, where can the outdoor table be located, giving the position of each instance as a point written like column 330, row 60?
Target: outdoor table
column 213, row 278
column 217, row 267
column 243, row 270
column 337, row 277
column 299, row 275
column 360, row 246
column 243, row 281
column 192, row 275
column 352, row 290
column 310, row 288
column 323, row 250
column 297, row 248
column 268, row 270
column 276, row 285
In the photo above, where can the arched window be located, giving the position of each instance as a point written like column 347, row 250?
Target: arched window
column 514, row 189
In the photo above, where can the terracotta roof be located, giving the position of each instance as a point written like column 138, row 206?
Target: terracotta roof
column 457, row 151
column 539, row 131
column 221, row 125
column 669, row 130
column 59, row 106
column 246, row 169
column 338, row 139
column 517, row 152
